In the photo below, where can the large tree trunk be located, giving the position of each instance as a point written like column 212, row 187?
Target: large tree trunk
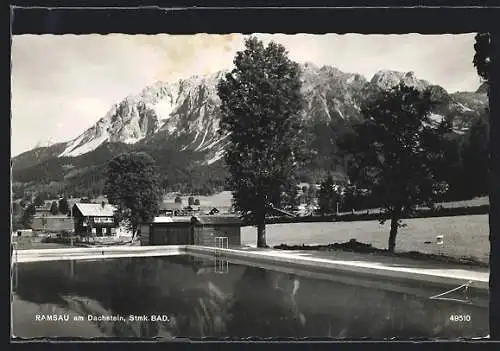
column 494, row 190
column 394, row 229
column 261, row 232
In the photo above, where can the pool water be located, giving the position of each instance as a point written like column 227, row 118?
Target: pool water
column 189, row 296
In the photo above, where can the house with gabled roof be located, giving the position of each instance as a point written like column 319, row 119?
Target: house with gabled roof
column 94, row 219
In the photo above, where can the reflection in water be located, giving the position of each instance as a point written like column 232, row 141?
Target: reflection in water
column 195, row 300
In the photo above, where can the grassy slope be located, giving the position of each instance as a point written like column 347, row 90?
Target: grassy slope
column 464, row 236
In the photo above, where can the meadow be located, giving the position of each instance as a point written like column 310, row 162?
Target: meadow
column 464, row 236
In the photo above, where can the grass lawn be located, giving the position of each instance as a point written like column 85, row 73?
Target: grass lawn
column 464, row 236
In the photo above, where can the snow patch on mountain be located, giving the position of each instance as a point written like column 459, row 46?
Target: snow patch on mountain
column 84, row 148
column 436, row 117
column 218, row 155
column 198, row 148
column 464, row 108
column 164, row 109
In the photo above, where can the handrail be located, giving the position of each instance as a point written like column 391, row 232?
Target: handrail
column 440, row 296
column 222, row 242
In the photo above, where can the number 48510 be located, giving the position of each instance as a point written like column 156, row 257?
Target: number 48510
column 460, row 318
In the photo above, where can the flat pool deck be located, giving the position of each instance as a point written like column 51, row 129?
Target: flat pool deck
column 376, row 266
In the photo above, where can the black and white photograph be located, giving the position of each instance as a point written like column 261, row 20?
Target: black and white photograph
column 330, row 186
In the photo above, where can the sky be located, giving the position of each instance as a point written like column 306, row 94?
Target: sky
column 61, row 85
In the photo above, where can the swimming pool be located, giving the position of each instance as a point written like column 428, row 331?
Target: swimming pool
column 207, row 296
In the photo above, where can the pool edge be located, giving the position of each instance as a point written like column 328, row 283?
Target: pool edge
column 477, row 280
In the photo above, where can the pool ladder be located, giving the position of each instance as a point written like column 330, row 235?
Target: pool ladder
column 221, row 242
column 220, row 262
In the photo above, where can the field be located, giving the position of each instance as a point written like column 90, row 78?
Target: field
column 464, row 236
column 222, row 199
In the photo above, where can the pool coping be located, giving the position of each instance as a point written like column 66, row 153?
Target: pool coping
column 441, row 277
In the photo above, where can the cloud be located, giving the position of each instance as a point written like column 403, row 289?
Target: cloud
column 72, row 80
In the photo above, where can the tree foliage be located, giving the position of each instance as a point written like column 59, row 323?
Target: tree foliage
column 396, row 151
column 63, row 206
column 328, row 196
column 39, row 200
column 27, row 218
column 54, row 209
column 474, row 154
column 261, row 107
column 482, row 56
column 133, row 186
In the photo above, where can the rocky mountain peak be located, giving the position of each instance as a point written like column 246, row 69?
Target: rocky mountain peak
column 188, row 109
column 183, row 115
column 387, row 79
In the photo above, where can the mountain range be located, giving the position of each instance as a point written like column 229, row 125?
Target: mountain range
column 178, row 124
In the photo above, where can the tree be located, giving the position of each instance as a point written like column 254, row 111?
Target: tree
column 483, row 62
column 39, row 200
column 396, row 151
column 482, row 56
column 133, row 186
column 54, row 209
column 27, row 217
column 63, row 206
column 327, row 197
column 261, row 107
column 190, row 201
column 474, row 155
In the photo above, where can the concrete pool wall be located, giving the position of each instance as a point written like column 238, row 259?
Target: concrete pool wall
column 445, row 277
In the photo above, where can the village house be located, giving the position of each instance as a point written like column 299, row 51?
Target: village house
column 94, row 219
column 170, row 209
column 44, row 210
